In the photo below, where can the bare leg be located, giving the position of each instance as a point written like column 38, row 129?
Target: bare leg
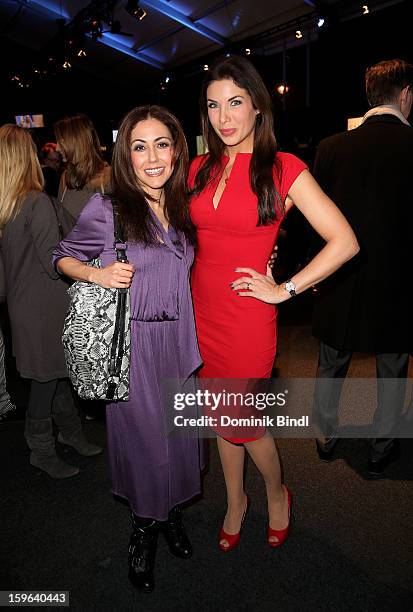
column 265, row 456
column 232, row 460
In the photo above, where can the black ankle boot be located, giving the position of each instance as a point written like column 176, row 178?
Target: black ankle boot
column 175, row 535
column 142, row 552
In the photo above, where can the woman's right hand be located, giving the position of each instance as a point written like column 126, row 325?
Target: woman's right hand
column 116, row 275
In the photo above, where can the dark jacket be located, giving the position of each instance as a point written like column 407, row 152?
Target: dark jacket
column 2, row 281
column 367, row 172
column 36, row 296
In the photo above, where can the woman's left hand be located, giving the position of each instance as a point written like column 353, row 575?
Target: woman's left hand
column 259, row 286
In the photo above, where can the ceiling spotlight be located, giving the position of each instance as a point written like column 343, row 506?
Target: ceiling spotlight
column 134, row 10
column 165, row 81
column 95, row 28
column 140, row 14
column 247, row 51
column 67, row 65
column 298, row 34
column 365, row 9
column 205, row 67
column 282, row 89
column 320, row 22
column 81, row 53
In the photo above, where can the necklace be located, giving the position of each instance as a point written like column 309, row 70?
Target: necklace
column 226, row 178
column 157, row 202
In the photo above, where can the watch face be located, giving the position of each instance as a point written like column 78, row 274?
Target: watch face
column 290, row 287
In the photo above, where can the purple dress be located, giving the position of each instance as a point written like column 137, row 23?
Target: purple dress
column 152, row 471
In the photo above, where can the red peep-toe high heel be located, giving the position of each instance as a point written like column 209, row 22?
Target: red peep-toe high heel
column 234, row 538
column 280, row 534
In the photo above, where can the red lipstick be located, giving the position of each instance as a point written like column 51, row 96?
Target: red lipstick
column 227, row 132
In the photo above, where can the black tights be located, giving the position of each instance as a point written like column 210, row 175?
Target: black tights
column 43, row 394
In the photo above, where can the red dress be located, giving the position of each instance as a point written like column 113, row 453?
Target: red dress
column 237, row 336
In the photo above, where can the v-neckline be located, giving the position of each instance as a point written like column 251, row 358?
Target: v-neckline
column 226, row 159
column 167, row 236
column 164, row 232
column 226, row 181
column 166, row 229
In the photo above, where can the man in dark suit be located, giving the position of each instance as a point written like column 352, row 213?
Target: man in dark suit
column 366, row 306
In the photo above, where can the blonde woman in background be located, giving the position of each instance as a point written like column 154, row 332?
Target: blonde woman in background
column 37, row 301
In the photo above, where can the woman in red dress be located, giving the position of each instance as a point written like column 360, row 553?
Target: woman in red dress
column 239, row 198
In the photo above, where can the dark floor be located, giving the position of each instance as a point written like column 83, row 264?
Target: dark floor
column 351, row 546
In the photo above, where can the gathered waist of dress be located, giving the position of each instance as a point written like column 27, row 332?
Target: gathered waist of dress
column 228, row 266
column 250, row 250
column 161, row 318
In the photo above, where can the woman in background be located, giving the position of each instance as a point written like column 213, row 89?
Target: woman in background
column 37, row 302
column 239, row 200
column 86, row 172
column 51, row 165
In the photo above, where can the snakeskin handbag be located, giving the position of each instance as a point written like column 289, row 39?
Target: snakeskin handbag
column 96, row 335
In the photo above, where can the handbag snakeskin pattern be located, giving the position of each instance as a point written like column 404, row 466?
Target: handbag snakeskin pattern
column 96, row 335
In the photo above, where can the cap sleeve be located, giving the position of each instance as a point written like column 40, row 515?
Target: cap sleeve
column 88, row 237
column 287, row 168
column 193, row 169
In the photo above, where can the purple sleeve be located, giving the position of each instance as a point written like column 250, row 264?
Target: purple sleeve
column 87, row 239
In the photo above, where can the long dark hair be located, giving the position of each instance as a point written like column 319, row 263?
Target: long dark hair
column 80, row 143
column 129, row 196
column 243, row 73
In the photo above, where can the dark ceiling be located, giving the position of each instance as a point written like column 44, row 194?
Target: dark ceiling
column 162, row 61
column 172, row 34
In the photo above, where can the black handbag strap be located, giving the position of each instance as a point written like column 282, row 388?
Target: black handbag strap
column 117, row 345
column 119, row 243
column 59, row 222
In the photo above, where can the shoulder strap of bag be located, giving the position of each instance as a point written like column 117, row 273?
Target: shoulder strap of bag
column 63, row 194
column 118, row 339
column 119, row 243
column 63, row 186
column 59, row 222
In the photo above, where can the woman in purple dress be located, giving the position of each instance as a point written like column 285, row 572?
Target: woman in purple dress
column 153, row 472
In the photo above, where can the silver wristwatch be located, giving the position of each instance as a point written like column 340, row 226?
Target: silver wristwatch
column 290, row 287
